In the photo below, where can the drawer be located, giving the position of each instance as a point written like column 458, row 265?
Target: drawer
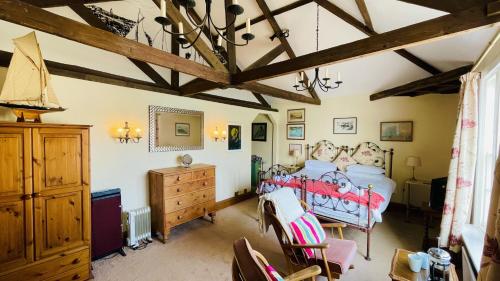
column 177, row 190
column 177, row 179
column 80, row 273
column 188, row 214
column 201, row 174
column 51, row 267
column 190, row 199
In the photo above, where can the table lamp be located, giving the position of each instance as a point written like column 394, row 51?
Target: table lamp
column 296, row 154
column 413, row 161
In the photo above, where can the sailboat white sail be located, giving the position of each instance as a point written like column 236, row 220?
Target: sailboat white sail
column 28, row 80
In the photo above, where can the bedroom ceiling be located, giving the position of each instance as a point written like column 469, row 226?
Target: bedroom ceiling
column 363, row 76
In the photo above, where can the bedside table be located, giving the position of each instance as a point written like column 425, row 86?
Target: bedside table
column 292, row 168
column 407, row 189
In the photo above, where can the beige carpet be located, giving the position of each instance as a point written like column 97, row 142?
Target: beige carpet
column 202, row 251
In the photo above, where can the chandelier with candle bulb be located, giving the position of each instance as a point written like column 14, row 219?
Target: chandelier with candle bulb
column 206, row 22
column 324, row 83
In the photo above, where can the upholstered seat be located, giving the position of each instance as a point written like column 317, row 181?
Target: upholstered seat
column 340, row 254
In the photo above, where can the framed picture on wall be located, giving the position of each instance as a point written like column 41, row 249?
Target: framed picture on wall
column 259, row 131
column 182, row 129
column 296, row 115
column 294, row 147
column 296, row 131
column 345, row 125
column 234, row 137
column 396, row 131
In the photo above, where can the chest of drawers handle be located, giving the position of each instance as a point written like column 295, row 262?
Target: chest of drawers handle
column 204, row 196
column 76, row 261
column 178, row 190
column 178, row 178
column 179, row 203
column 179, row 217
column 76, row 277
column 204, row 173
column 205, row 183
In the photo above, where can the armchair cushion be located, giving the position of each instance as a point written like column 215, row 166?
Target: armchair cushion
column 273, row 274
column 307, row 230
column 340, row 254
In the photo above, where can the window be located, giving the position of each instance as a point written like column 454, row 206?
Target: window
column 488, row 145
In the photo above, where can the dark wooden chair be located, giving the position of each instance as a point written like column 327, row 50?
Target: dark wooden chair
column 249, row 265
column 335, row 255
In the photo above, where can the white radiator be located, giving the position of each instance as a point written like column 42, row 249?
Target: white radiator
column 139, row 226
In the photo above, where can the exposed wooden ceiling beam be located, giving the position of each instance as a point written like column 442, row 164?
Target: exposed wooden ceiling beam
column 276, row 12
column 278, row 93
column 441, row 27
column 230, row 34
column 332, row 8
column 82, row 73
column 364, row 13
column 175, row 49
column 59, row 3
column 94, row 21
column 493, row 8
column 18, row 12
column 449, row 6
column 203, row 49
column 424, row 84
column 288, row 48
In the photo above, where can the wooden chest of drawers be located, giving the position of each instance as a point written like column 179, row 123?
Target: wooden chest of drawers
column 178, row 195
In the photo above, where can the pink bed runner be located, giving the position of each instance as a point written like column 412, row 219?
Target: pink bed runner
column 330, row 189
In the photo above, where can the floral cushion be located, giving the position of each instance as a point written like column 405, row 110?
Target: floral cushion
column 344, row 160
column 273, row 274
column 308, row 230
column 325, row 151
column 369, row 154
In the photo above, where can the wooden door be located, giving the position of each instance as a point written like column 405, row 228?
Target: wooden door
column 61, row 189
column 16, row 208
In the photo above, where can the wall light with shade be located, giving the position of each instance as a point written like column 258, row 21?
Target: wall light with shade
column 413, row 161
column 219, row 136
column 127, row 134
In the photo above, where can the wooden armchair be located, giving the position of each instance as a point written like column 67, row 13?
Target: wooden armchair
column 335, row 255
column 249, row 265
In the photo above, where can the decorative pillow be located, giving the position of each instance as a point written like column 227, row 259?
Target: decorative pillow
column 320, row 165
column 365, row 169
column 369, row 154
column 325, row 151
column 273, row 274
column 308, row 230
column 344, row 160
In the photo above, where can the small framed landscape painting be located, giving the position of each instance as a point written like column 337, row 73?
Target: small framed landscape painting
column 296, row 115
column 182, row 129
column 234, row 137
column 259, row 131
column 396, row 131
column 294, row 147
column 296, row 131
column 345, row 125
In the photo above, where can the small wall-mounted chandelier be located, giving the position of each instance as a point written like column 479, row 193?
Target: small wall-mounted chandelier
column 323, row 83
column 125, row 135
column 219, row 136
column 206, row 22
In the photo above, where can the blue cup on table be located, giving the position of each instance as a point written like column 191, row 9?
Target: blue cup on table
column 425, row 260
column 415, row 262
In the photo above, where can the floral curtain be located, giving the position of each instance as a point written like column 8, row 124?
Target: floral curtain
column 490, row 262
column 462, row 165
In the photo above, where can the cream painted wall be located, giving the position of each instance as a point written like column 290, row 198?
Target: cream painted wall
column 107, row 107
column 264, row 149
column 434, row 124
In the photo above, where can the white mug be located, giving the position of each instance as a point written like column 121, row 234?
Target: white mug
column 425, row 260
column 415, row 262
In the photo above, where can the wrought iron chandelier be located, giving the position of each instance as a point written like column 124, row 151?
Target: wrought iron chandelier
column 206, row 22
column 323, row 83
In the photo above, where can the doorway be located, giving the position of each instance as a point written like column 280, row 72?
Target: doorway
column 262, row 145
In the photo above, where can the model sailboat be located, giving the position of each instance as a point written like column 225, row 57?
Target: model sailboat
column 27, row 89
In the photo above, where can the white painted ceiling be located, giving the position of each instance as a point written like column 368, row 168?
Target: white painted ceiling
column 362, row 76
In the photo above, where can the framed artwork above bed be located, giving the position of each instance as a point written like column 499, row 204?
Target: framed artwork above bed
column 345, row 125
column 396, row 131
column 296, row 115
column 296, row 131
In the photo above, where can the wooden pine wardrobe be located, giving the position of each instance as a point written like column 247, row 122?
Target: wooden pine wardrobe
column 44, row 202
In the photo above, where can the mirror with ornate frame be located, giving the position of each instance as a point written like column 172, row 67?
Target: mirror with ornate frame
column 174, row 129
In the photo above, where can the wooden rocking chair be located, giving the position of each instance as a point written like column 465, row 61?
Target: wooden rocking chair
column 249, row 265
column 336, row 255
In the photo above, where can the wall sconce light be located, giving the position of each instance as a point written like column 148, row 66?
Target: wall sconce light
column 219, row 136
column 125, row 136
